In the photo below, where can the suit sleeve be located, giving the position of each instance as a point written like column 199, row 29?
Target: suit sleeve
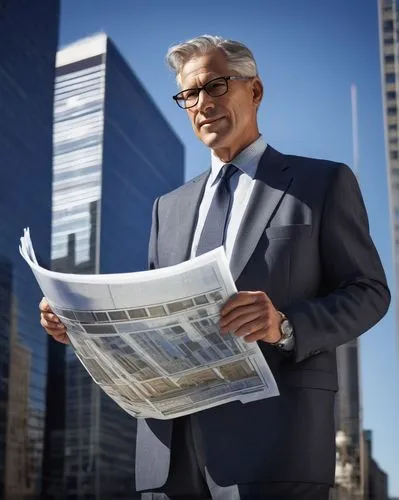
column 153, row 244
column 355, row 295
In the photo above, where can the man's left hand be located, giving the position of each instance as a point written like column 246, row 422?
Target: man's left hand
column 251, row 315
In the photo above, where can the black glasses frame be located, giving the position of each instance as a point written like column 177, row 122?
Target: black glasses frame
column 178, row 97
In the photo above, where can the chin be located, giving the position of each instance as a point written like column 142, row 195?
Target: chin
column 214, row 141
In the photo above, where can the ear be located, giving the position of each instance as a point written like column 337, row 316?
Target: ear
column 257, row 91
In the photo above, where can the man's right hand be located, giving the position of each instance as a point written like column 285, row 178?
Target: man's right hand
column 51, row 323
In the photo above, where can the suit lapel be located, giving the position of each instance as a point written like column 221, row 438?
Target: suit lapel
column 272, row 180
column 189, row 202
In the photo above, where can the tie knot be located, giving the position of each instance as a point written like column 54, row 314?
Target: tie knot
column 228, row 171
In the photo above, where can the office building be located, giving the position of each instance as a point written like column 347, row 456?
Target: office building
column 348, row 421
column 348, row 412
column 388, row 12
column 28, row 44
column 113, row 154
column 376, row 484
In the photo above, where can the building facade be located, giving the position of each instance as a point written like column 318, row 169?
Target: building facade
column 114, row 153
column 348, row 423
column 376, row 484
column 28, row 44
column 349, row 478
column 388, row 12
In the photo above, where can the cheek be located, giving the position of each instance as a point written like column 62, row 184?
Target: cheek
column 242, row 118
column 195, row 129
column 191, row 118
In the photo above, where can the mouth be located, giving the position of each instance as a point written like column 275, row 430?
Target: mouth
column 209, row 121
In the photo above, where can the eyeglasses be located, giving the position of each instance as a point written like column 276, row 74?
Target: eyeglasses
column 215, row 88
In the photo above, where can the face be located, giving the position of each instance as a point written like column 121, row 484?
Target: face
column 226, row 124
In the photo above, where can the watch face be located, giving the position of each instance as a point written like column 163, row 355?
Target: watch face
column 286, row 328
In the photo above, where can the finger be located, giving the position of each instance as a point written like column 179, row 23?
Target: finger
column 251, row 327
column 234, row 315
column 63, row 338
column 241, row 320
column 237, row 300
column 51, row 317
column 242, row 299
column 44, row 306
column 254, row 337
column 51, row 322
column 54, row 328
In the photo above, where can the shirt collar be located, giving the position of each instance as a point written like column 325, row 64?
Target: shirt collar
column 247, row 160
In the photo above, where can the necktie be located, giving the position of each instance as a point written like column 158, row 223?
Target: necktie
column 214, row 232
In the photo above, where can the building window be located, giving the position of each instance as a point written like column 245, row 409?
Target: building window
column 394, row 155
column 390, row 77
column 391, row 94
column 388, row 41
column 390, row 58
column 388, row 26
column 392, row 127
column 392, row 111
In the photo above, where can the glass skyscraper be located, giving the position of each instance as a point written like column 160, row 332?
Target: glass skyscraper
column 389, row 55
column 28, row 44
column 113, row 154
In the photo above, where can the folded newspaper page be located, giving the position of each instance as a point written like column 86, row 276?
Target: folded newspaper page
column 151, row 339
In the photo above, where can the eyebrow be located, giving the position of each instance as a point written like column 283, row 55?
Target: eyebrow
column 197, row 86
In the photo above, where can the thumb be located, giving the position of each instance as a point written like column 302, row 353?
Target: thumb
column 44, row 306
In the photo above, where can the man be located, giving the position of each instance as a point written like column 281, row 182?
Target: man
column 296, row 234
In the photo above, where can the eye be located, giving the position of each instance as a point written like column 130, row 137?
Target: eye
column 215, row 85
column 190, row 94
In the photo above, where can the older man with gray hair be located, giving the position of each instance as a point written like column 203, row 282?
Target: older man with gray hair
column 296, row 235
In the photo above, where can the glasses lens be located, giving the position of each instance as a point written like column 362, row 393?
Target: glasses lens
column 216, row 87
column 187, row 98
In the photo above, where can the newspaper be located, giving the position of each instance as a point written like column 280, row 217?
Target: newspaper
column 151, row 339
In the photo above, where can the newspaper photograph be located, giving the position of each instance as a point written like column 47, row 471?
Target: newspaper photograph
column 151, row 339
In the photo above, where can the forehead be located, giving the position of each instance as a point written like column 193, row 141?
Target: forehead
column 199, row 69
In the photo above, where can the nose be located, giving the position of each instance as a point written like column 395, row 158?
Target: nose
column 205, row 101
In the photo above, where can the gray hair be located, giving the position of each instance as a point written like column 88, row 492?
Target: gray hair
column 240, row 59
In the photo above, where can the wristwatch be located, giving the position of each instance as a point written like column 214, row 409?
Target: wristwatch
column 287, row 332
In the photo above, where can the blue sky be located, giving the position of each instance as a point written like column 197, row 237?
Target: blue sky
column 309, row 52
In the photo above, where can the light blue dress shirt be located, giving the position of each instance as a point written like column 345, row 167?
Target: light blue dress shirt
column 241, row 184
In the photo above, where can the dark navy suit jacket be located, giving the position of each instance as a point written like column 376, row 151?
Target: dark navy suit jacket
column 304, row 240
